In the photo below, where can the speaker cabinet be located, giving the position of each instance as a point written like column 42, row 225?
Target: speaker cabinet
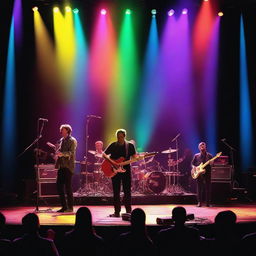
column 47, row 171
column 220, row 191
column 220, row 173
column 48, row 188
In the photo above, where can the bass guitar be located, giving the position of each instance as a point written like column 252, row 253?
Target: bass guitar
column 198, row 170
column 111, row 167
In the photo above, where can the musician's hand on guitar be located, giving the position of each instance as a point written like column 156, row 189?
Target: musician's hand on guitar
column 59, row 154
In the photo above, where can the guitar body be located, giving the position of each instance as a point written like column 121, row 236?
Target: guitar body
column 196, row 171
column 109, row 169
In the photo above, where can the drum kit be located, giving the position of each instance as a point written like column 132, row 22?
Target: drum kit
column 94, row 182
column 148, row 176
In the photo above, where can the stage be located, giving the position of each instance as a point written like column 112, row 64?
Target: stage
column 246, row 213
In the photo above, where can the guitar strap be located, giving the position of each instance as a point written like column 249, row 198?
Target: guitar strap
column 126, row 149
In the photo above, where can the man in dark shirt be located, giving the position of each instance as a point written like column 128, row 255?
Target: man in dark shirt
column 121, row 148
column 66, row 165
column 204, row 179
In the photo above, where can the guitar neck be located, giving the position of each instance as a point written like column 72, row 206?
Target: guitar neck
column 136, row 159
column 206, row 163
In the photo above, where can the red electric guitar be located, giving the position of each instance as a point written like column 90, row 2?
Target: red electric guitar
column 111, row 167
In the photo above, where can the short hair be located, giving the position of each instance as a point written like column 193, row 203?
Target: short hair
column 179, row 214
column 227, row 218
column 99, row 142
column 138, row 217
column 202, row 142
column 67, row 127
column 31, row 222
column 123, row 131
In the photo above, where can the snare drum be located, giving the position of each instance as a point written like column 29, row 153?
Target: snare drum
column 154, row 182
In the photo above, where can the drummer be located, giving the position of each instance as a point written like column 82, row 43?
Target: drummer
column 99, row 151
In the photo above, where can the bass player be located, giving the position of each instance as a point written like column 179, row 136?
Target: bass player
column 204, row 179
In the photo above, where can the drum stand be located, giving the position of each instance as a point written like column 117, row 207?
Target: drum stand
column 173, row 185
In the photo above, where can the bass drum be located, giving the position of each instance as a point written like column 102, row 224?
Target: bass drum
column 154, row 182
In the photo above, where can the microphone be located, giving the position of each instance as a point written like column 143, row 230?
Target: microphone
column 93, row 116
column 223, row 139
column 43, row 119
column 177, row 136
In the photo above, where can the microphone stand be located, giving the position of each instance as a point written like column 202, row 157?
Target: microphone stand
column 86, row 154
column 36, row 141
column 232, row 159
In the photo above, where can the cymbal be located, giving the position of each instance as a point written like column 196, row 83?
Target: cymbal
column 92, row 152
column 168, row 151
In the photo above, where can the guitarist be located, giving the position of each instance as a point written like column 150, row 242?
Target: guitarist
column 204, row 179
column 121, row 148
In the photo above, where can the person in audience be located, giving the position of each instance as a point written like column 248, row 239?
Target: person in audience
column 248, row 244
column 82, row 239
column 31, row 243
column 226, row 236
column 179, row 237
column 136, row 241
column 5, row 244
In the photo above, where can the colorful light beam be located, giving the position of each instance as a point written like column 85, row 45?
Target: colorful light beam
column 246, row 137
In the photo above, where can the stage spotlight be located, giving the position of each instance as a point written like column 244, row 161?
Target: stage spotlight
column 220, row 14
column 206, row 0
column 103, row 11
column 56, row 9
column 185, row 11
column 68, row 9
column 128, row 11
column 35, row 8
column 153, row 11
column 76, row 11
column 171, row 12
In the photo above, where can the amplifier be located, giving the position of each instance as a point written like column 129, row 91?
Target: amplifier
column 47, row 171
column 48, row 188
column 221, row 172
column 221, row 160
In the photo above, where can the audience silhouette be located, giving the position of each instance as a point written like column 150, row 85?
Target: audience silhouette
column 226, row 239
column 248, row 244
column 31, row 243
column 82, row 239
column 136, row 241
column 5, row 244
column 178, row 238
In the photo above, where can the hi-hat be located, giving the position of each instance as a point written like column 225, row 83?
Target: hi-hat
column 168, row 151
column 92, row 152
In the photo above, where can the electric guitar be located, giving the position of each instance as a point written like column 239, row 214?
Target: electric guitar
column 111, row 167
column 198, row 170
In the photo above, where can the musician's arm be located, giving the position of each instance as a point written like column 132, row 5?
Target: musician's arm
column 134, row 154
column 70, row 152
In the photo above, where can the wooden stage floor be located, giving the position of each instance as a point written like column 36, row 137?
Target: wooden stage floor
column 246, row 213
